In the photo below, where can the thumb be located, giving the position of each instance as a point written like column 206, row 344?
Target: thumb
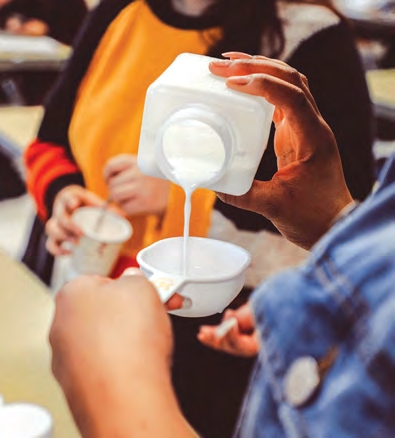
column 264, row 197
column 89, row 198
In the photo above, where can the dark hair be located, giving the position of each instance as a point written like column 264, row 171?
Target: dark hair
column 246, row 25
column 253, row 26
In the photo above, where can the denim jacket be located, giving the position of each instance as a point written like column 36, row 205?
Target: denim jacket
column 338, row 310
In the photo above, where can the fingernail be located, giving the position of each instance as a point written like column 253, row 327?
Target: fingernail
column 240, row 80
column 222, row 63
column 186, row 303
column 132, row 272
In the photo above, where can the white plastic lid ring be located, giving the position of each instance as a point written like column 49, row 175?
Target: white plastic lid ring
column 186, row 132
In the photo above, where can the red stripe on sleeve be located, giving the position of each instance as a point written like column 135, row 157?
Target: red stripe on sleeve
column 44, row 163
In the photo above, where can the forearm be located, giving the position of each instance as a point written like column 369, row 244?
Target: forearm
column 143, row 405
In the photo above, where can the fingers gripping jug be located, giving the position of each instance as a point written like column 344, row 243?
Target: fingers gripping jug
column 193, row 124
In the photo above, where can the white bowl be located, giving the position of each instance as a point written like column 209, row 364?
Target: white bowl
column 216, row 271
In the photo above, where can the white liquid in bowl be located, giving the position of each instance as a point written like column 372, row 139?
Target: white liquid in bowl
column 208, row 259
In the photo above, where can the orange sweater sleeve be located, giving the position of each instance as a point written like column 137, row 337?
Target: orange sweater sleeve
column 48, row 170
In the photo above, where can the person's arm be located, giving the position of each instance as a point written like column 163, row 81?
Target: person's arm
column 112, row 346
column 51, row 175
column 49, row 169
column 56, row 184
column 308, row 190
column 59, row 105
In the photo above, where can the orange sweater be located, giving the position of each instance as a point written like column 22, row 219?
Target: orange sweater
column 136, row 48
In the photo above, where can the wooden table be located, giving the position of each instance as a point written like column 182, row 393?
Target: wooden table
column 26, row 310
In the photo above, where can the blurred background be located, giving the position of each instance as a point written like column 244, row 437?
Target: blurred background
column 35, row 43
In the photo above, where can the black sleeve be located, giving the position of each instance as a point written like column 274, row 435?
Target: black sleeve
column 337, row 81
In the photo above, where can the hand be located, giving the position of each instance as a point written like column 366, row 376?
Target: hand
column 133, row 191
column 112, row 345
column 308, row 190
column 60, row 228
column 31, row 27
column 241, row 340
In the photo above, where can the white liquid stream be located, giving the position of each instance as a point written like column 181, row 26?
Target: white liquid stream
column 196, row 155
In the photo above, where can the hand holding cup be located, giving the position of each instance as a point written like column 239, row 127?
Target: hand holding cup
column 60, row 228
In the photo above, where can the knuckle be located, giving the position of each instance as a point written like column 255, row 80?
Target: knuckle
column 299, row 98
column 295, row 76
column 260, row 82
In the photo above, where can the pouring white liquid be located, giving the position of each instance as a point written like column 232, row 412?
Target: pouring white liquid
column 196, row 155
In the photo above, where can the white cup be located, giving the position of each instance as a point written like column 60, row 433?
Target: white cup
column 25, row 420
column 216, row 273
column 97, row 249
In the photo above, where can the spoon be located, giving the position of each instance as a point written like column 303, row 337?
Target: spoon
column 225, row 327
column 102, row 214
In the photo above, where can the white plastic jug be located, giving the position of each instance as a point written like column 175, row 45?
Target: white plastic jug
column 193, row 121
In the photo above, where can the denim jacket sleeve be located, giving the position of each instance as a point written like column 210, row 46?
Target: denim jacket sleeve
column 339, row 310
